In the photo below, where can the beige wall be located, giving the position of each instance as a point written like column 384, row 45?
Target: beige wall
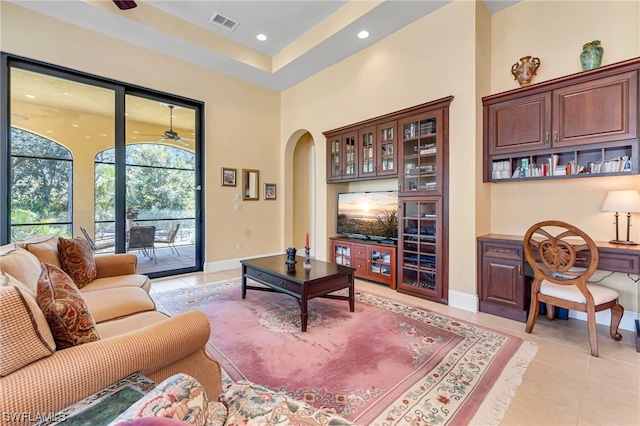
column 517, row 31
column 241, row 123
column 407, row 68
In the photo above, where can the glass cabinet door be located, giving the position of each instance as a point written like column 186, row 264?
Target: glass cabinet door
column 335, row 161
column 350, row 156
column 342, row 254
column 367, row 152
column 386, row 153
column 380, row 262
column 420, row 246
column 421, row 154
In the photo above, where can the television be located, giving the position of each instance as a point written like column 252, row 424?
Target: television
column 369, row 215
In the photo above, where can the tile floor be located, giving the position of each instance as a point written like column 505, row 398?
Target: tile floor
column 563, row 385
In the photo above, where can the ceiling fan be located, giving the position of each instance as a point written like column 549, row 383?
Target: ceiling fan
column 171, row 134
column 125, row 4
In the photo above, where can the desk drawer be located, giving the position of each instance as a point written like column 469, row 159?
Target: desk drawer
column 503, row 251
column 619, row 263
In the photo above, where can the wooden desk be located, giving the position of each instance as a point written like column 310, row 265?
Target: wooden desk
column 504, row 277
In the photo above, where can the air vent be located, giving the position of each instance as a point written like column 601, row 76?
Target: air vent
column 224, row 22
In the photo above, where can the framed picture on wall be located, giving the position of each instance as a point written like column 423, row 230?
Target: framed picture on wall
column 228, row 177
column 269, row 191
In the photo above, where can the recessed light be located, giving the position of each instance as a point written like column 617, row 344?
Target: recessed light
column 30, row 96
column 261, row 37
column 363, row 34
column 87, row 137
column 75, row 125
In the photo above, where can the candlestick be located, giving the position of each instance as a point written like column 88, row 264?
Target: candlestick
column 307, row 259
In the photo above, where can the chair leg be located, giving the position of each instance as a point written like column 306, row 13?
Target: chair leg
column 593, row 334
column 550, row 311
column 616, row 316
column 534, row 308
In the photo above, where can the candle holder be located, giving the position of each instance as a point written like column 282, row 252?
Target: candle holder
column 307, row 259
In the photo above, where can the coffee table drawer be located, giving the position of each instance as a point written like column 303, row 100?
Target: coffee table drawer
column 269, row 279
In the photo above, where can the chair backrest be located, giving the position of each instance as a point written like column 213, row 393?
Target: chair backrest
column 560, row 253
column 173, row 231
column 142, row 236
column 88, row 238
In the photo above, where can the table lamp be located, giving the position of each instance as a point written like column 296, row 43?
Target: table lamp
column 622, row 201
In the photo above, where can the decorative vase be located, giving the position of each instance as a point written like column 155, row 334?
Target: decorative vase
column 525, row 70
column 591, row 55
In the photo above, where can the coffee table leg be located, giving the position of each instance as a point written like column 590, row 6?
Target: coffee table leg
column 304, row 316
column 244, row 282
column 352, row 294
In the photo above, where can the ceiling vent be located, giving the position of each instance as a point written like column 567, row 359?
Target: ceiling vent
column 223, row 21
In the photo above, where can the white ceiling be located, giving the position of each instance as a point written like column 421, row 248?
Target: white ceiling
column 304, row 36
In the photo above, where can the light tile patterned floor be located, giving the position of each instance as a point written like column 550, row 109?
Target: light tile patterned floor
column 563, row 385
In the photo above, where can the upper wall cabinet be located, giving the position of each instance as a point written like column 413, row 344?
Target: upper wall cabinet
column 581, row 125
column 370, row 149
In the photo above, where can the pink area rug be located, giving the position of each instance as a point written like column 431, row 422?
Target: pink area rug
column 387, row 363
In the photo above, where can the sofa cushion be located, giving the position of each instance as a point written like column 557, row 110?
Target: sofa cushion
column 44, row 248
column 114, row 303
column 25, row 336
column 76, row 258
column 70, row 321
column 21, row 265
column 133, row 280
column 131, row 322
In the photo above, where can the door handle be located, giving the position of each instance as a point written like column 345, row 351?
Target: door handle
column 546, row 139
column 555, row 136
column 519, row 271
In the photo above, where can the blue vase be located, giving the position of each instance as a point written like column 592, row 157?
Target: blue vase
column 591, row 56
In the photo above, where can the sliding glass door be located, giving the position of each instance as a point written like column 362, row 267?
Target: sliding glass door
column 113, row 164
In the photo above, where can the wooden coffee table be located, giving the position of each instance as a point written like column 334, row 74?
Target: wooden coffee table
column 323, row 278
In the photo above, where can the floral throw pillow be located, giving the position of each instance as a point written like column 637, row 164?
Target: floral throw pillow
column 64, row 308
column 76, row 259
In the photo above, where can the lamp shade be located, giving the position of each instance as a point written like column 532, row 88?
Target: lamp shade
column 627, row 201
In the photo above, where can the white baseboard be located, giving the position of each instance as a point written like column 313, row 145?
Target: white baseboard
column 466, row 301
column 469, row 302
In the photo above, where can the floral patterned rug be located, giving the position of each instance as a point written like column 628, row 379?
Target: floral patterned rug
column 387, row 363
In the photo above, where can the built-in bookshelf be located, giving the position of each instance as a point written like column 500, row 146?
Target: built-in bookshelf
column 580, row 125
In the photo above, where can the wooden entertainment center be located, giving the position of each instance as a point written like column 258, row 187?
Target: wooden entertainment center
column 372, row 260
column 411, row 145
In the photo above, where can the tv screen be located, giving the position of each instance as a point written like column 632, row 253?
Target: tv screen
column 370, row 215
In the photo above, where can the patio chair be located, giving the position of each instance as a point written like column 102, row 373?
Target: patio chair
column 97, row 245
column 170, row 238
column 142, row 238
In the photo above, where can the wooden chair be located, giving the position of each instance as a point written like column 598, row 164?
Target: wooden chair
column 558, row 253
column 142, row 238
column 170, row 238
column 98, row 244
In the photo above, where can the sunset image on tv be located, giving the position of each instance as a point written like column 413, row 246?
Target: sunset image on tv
column 368, row 214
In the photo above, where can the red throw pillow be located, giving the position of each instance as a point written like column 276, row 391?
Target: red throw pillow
column 76, row 259
column 64, row 308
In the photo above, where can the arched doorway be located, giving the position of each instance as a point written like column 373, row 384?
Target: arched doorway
column 300, row 190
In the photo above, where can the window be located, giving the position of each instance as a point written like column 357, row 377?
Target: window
column 41, row 182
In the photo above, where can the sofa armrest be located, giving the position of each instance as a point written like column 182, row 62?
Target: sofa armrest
column 69, row 375
column 113, row 265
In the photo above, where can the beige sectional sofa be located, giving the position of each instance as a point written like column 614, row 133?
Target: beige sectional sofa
column 134, row 336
